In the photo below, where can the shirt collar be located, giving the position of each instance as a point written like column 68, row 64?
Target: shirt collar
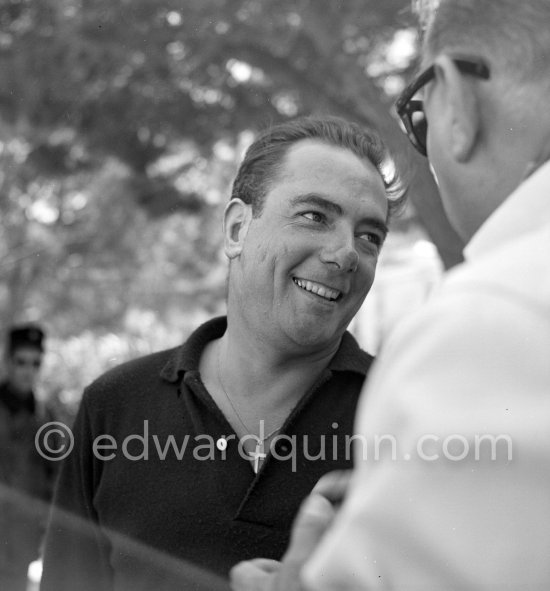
column 187, row 356
column 524, row 211
column 349, row 356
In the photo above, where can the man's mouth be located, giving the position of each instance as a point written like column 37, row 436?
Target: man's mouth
column 318, row 289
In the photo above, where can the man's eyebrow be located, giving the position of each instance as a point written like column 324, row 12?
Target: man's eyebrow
column 317, row 201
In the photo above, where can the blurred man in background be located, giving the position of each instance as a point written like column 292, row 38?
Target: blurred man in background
column 26, row 478
column 463, row 386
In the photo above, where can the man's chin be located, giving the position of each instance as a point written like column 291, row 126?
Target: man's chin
column 316, row 335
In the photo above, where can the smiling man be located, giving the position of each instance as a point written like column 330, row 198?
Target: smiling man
column 463, row 385
column 269, row 392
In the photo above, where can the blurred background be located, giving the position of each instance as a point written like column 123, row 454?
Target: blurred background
column 122, row 123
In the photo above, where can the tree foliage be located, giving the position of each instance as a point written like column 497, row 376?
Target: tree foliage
column 117, row 114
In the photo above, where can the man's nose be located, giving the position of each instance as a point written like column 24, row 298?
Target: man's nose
column 341, row 253
column 29, row 374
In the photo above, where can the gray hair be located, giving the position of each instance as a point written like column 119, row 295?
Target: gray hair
column 513, row 35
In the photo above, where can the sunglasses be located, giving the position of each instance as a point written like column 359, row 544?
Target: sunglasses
column 411, row 112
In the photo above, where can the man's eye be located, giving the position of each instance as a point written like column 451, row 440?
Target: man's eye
column 314, row 216
column 371, row 237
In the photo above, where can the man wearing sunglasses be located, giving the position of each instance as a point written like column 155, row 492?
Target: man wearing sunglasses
column 25, row 477
column 462, row 387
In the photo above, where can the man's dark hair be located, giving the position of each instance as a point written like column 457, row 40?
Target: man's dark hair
column 265, row 157
column 25, row 336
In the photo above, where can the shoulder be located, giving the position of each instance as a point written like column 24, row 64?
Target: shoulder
column 132, row 379
column 517, row 274
column 473, row 315
column 481, row 340
column 504, row 293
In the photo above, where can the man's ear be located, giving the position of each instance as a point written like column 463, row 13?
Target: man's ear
column 236, row 221
column 462, row 119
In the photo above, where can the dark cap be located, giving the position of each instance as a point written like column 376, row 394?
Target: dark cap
column 28, row 335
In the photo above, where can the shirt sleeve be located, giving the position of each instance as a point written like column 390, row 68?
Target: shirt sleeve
column 76, row 552
column 453, row 457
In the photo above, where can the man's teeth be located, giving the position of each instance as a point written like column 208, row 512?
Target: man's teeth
column 318, row 289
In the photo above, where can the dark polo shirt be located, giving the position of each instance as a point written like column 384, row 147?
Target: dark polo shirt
column 161, row 493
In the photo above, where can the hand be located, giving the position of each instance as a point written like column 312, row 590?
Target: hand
column 254, row 575
column 262, row 574
column 314, row 517
column 333, row 486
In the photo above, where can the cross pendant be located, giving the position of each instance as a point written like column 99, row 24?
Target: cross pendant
column 257, row 455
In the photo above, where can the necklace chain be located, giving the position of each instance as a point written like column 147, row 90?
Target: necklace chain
column 260, row 440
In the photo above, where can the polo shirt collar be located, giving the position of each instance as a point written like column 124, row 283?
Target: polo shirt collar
column 349, row 356
column 187, row 356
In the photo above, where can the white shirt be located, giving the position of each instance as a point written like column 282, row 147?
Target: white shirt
column 474, row 362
